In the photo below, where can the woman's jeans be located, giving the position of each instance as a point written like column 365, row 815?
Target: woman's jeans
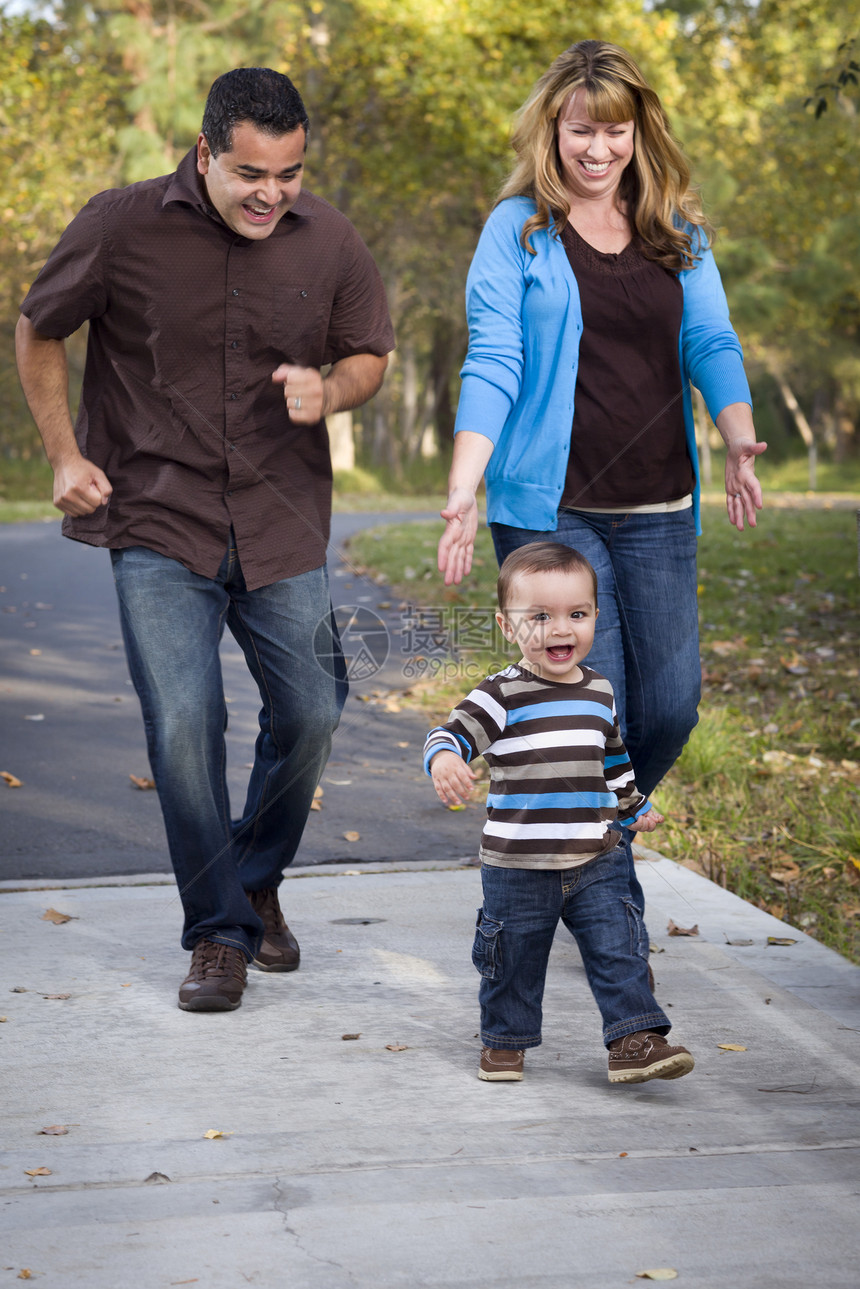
column 172, row 623
column 647, row 637
column 514, row 935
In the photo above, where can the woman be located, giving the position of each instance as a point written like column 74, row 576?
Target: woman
column 593, row 301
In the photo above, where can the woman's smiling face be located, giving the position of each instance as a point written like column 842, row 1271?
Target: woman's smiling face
column 593, row 154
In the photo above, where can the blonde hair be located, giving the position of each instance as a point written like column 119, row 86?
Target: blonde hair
column 655, row 187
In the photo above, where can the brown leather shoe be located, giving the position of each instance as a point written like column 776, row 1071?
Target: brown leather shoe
column 216, row 979
column 497, row 1066
column 638, row 1057
column 279, row 950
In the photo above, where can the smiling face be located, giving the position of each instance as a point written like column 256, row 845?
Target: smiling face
column 551, row 617
column 254, row 184
column 593, row 154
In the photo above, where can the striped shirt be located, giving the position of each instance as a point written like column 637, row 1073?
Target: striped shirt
column 559, row 771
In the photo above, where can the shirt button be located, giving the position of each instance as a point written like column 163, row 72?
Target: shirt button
column 234, row 344
column 303, row 294
column 229, row 492
column 235, row 292
column 233, row 397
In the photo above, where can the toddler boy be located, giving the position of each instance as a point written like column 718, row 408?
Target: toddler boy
column 560, row 777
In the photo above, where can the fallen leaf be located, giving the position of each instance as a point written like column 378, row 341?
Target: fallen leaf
column 156, row 1179
column 25, row 1274
column 128, row 986
column 54, row 915
column 780, row 939
column 731, row 1047
column 18, row 989
column 11, row 781
column 55, row 1130
column 352, row 836
column 745, row 943
column 2, row 1020
column 144, row 784
column 315, row 805
column 38, row 717
column 396, row 1047
column 59, row 997
column 682, row 930
column 216, row 1132
column 348, row 1036
column 402, row 744
column 786, row 873
column 457, row 807
column 34, row 653
column 658, row 1273
column 38, row 1172
column 623, row 1155
column 318, row 792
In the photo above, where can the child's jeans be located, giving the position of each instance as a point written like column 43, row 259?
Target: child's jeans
column 514, row 935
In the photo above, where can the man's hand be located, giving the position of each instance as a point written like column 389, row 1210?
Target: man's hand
column 452, row 778
column 647, row 822
column 309, row 396
column 304, row 393
column 80, row 488
column 458, row 540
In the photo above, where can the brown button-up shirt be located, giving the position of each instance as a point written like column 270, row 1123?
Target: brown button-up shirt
column 188, row 321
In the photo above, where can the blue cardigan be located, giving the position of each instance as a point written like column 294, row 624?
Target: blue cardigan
column 519, row 376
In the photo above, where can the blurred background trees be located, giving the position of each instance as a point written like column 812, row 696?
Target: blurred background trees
column 411, row 104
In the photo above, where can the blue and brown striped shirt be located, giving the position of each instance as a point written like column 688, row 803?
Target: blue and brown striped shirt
column 560, row 775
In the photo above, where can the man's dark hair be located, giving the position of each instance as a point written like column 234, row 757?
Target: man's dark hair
column 266, row 99
column 541, row 557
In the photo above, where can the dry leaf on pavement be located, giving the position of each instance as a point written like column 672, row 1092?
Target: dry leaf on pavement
column 216, row 1132
column 682, row 930
column 780, row 939
column 54, row 1130
column 25, row 1274
column 731, row 1047
column 11, row 781
column 345, row 1037
column 54, row 915
column 658, row 1273
column 156, row 1179
column 38, row 1172
column 57, row 997
column 144, row 784
column 352, row 836
column 396, row 1047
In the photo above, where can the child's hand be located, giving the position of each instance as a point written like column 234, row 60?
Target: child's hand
column 647, row 822
column 452, row 778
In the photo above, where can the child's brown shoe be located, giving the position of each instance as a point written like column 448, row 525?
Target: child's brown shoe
column 499, row 1066
column 638, row 1057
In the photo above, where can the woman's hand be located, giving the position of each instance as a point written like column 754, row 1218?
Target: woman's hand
column 458, row 540
column 743, row 490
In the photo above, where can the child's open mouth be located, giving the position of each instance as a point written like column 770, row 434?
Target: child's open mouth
column 560, row 653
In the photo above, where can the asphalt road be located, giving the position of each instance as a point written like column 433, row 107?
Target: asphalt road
column 71, row 731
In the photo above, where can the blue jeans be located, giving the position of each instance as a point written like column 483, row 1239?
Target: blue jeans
column 514, row 935
column 647, row 637
column 172, row 623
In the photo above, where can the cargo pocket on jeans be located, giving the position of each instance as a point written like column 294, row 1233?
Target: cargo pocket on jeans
column 487, row 949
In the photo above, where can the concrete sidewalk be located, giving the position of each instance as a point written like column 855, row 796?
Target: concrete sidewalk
column 348, row 1164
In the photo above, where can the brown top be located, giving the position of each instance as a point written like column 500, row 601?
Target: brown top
column 188, row 321
column 628, row 446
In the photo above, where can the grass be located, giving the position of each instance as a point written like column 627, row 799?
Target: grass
column 765, row 798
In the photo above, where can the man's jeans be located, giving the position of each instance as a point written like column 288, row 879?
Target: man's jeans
column 514, row 935
column 647, row 637
column 172, row 622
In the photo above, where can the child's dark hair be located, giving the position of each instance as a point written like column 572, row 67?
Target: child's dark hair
column 541, row 557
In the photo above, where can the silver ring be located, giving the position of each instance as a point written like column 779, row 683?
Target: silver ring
column 297, row 402
column 737, row 494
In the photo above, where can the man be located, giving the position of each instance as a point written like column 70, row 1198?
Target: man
column 200, row 458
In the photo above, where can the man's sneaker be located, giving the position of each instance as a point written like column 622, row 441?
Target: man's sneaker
column 500, row 1067
column 216, row 979
column 279, row 949
column 638, row 1057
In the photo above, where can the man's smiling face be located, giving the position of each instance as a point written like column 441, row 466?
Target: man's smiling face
column 254, row 184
